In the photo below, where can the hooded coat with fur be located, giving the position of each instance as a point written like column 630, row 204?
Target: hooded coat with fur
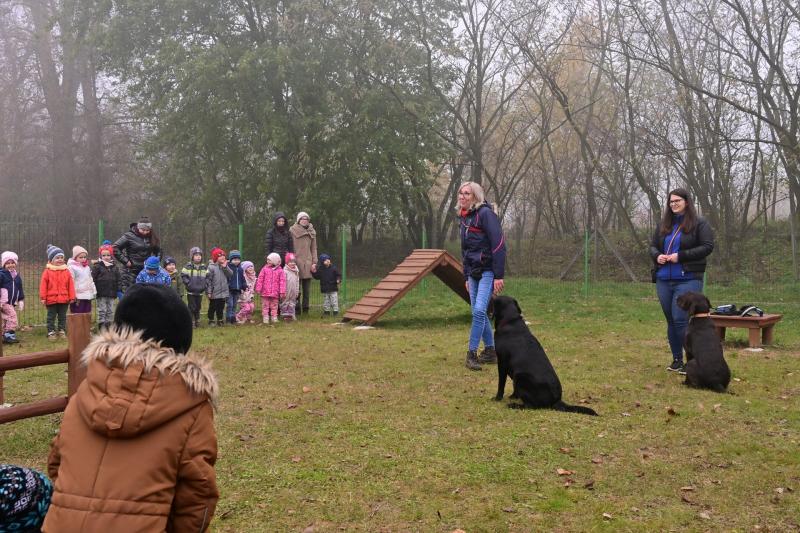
column 137, row 446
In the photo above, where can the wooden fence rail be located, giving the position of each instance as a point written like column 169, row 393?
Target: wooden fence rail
column 78, row 332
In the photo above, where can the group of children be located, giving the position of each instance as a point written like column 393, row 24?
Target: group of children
column 229, row 283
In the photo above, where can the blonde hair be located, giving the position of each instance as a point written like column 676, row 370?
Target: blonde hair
column 477, row 193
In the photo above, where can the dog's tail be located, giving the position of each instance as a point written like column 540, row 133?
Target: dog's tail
column 561, row 406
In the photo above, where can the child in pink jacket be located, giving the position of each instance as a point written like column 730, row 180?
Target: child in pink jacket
column 271, row 285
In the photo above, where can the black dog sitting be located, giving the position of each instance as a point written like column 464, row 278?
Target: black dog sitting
column 706, row 367
column 522, row 358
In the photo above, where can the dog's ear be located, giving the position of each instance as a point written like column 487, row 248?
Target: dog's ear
column 519, row 310
column 683, row 302
column 490, row 308
column 708, row 304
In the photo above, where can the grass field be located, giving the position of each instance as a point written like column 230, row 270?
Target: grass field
column 325, row 427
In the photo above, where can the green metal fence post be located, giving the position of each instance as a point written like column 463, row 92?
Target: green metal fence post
column 241, row 238
column 344, row 265
column 586, row 263
column 101, row 232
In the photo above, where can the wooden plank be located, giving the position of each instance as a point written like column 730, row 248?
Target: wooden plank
column 361, row 308
column 400, row 278
column 391, row 286
column 28, row 410
column 405, row 271
column 15, row 362
column 375, row 293
column 357, row 316
column 377, row 302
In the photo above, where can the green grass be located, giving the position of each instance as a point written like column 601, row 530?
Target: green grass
column 396, row 435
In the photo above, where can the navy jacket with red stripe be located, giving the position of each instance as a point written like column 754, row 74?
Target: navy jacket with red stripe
column 483, row 246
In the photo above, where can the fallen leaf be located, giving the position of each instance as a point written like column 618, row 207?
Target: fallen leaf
column 245, row 438
column 565, row 450
column 306, row 389
column 736, row 379
column 309, row 529
column 717, row 406
column 564, row 472
column 688, row 488
column 671, row 411
column 685, row 499
column 779, row 490
column 638, row 404
column 589, row 485
column 597, row 460
column 607, row 516
column 458, row 531
column 509, row 510
column 291, row 405
column 704, row 515
column 626, row 414
column 457, row 491
column 296, row 459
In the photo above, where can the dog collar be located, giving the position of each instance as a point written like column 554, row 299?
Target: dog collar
column 700, row 315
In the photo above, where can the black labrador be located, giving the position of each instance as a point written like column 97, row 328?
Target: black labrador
column 705, row 367
column 522, row 358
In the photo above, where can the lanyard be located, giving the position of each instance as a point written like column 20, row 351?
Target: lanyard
column 674, row 235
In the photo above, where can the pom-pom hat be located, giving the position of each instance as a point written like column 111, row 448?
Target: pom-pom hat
column 216, row 253
column 53, row 252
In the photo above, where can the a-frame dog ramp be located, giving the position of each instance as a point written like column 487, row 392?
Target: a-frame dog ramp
column 403, row 278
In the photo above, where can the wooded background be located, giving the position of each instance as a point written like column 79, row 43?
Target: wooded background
column 576, row 116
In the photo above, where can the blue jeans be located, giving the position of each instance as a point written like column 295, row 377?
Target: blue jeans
column 233, row 299
column 479, row 294
column 677, row 318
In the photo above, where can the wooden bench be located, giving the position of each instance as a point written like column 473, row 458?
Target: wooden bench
column 759, row 327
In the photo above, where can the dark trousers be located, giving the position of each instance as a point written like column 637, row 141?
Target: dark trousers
column 195, row 303
column 216, row 306
column 305, row 287
column 57, row 311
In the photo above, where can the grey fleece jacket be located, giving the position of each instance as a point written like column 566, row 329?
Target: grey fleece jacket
column 217, row 281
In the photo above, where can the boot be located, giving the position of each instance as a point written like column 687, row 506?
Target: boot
column 211, row 323
column 488, row 356
column 472, row 360
column 220, row 323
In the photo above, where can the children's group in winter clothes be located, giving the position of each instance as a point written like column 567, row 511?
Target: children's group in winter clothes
column 229, row 283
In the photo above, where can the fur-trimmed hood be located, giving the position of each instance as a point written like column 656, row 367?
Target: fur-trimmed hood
column 133, row 384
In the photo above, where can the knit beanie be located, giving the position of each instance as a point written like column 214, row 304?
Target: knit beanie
column 215, row 253
column 234, row 254
column 274, row 259
column 6, row 257
column 159, row 313
column 78, row 250
column 323, row 257
column 107, row 248
column 169, row 261
column 195, row 250
column 247, row 264
column 106, row 242
column 302, row 214
column 24, row 498
column 152, row 263
column 144, row 223
column 53, row 251
column 290, row 257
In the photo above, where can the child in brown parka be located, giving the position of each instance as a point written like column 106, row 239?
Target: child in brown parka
column 137, row 445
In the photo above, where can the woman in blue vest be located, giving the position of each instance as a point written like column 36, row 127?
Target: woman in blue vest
column 483, row 253
column 679, row 249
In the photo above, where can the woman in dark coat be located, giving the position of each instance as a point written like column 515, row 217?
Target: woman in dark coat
column 278, row 239
column 679, row 249
column 133, row 248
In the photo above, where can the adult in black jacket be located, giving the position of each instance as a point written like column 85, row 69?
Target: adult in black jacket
column 133, row 248
column 679, row 249
column 278, row 239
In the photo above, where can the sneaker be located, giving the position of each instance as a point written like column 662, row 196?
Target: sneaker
column 265, row 320
column 676, row 366
column 472, row 360
column 488, row 356
column 62, row 334
column 52, row 335
column 220, row 323
column 682, row 370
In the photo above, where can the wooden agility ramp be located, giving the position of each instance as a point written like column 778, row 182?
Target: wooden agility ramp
column 403, row 278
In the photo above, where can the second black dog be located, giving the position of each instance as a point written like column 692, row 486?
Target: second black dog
column 522, row 358
column 705, row 367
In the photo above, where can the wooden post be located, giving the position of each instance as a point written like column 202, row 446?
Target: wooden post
column 79, row 329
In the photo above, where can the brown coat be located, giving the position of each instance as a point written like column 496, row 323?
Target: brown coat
column 137, row 446
column 305, row 248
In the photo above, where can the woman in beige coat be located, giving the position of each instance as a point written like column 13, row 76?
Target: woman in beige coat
column 305, row 251
column 137, row 446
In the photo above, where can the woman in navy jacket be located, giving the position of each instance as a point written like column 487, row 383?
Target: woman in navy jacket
column 483, row 253
column 679, row 249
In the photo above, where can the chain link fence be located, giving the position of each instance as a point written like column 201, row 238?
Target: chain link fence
column 759, row 271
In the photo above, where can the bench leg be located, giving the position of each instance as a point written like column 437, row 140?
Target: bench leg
column 766, row 335
column 720, row 332
column 754, row 337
